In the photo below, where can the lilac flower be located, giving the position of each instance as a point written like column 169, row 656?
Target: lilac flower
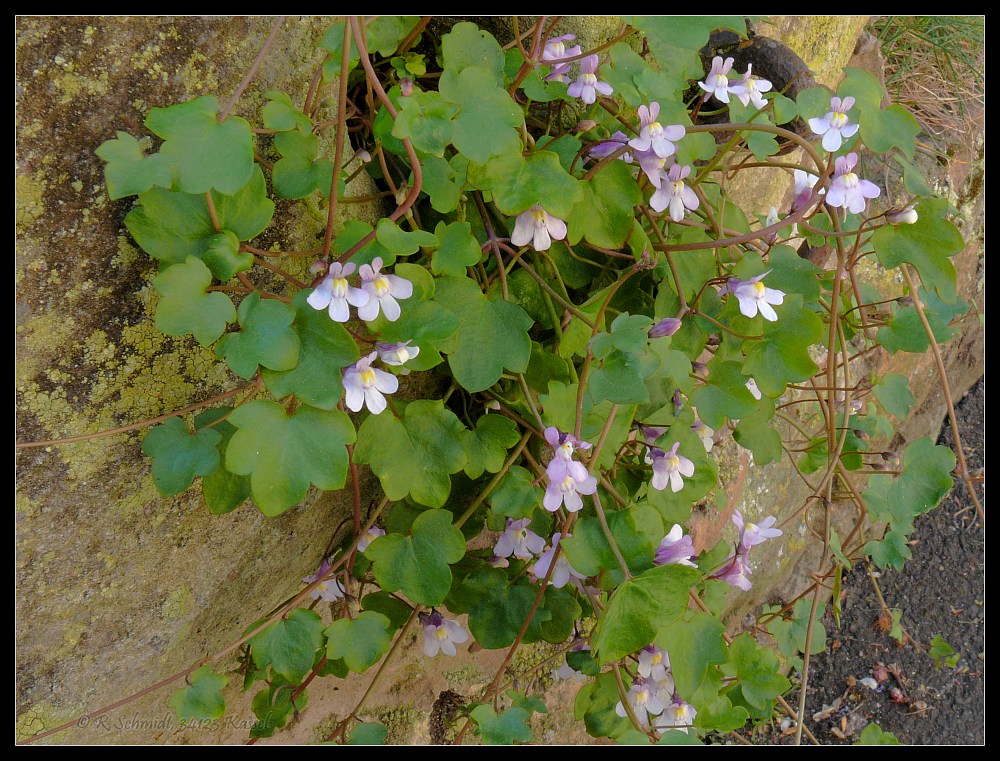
column 645, row 700
column 616, row 142
column 675, row 194
column 365, row 385
column 654, row 663
column 588, row 85
column 555, row 49
column 754, row 297
column 675, row 548
column 670, row 466
column 665, row 327
column 564, row 444
column 907, row 216
column 335, row 293
column 753, row 533
column 518, row 541
column 717, row 81
column 849, row 190
column 651, row 433
column 735, row 572
column 704, row 433
column 568, row 479
column 383, row 291
column 752, row 89
column 676, row 716
column 396, row 354
column 834, row 127
column 441, row 635
column 368, row 537
column 539, row 227
column 804, row 182
column 655, row 136
column 563, row 570
column 654, row 167
column 567, row 672
column 329, row 590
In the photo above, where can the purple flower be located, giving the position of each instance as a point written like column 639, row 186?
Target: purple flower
column 654, row 663
column 518, row 541
column 365, row 385
column 670, row 466
column 834, row 127
column 441, row 635
column 644, row 698
column 335, row 293
column 849, row 190
column 665, row 327
column 752, row 89
column 802, row 188
column 568, row 479
column 614, row 143
column 563, row 570
column 651, row 433
column 676, row 716
column 735, row 572
column 717, row 81
column 368, row 537
column 555, row 49
column 383, row 290
column 329, row 590
column 655, row 136
column 587, row 84
column 654, row 167
column 753, row 533
column 907, row 216
column 539, row 227
column 564, row 444
column 704, row 433
column 396, row 354
column 754, row 297
column 675, row 194
column 675, row 548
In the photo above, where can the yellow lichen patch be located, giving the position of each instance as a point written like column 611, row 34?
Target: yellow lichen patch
column 28, row 195
column 178, row 604
column 74, row 86
column 398, row 720
column 41, row 716
column 71, row 638
column 199, row 74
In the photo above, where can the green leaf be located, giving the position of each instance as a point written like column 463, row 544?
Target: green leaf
column 618, row 378
column 784, row 108
column 790, row 633
column 633, row 737
column 333, row 43
column 605, row 215
column 414, row 455
column 284, row 453
column 504, row 729
column 206, row 154
column 299, row 173
column 695, row 645
column 459, row 249
column 385, row 33
column 186, row 307
column 893, row 393
column 279, row 114
column 755, row 434
column 326, row 349
column 629, row 333
column 427, row 121
column 369, row 733
column 515, row 496
column 782, row 356
column 266, row 338
column 639, row 608
column 874, row 735
column 202, row 700
column 223, row 256
column 721, row 716
column 497, row 609
column 895, row 127
column 360, row 642
column 559, row 409
column 595, row 705
column 398, row 242
column 487, row 123
column 129, row 172
column 927, row 245
column 518, row 183
column 757, row 668
column 418, row 563
column 725, row 395
column 178, row 456
column 677, row 737
column 466, row 45
column 791, row 273
column 943, row 653
column 441, row 183
column 637, row 532
column 492, row 335
column 906, row 332
column 223, row 491
column 391, row 607
column 487, row 446
column 289, row 646
column 891, row 551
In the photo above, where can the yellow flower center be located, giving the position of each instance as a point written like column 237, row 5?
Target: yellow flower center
column 368, row 377
column 381, row 287
column 589, row 79
column 539, row 217
column 850, row 180
column 673, row 462
column 568, row 484
column 339, row 287
column 657, row 658
column 655, row 129
column 678, row 187
column 720, row 80
column 758, row 289
column 441, row 633
column 838, row 120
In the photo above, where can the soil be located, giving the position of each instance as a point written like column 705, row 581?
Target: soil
column 941, row 591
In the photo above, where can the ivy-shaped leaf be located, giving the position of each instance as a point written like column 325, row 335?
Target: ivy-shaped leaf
column 442, row 183
column 398, row 242
column 724, row 396
column 368, row 733
column 459, row 249
column 129, row 172
column 518, row 183
column 418, row 563
column 516, row 496
column 361, row 641
column 266, row 338
column 289, row 646
column 179, row 456
column 427, row 120
column 466, row 45
column 223, row 256
column 695, row 645
column 280, row 114
column 186, row 307
column 873, row 734
column 605, row 215
column 502, row 729
column 595, row 706
column 757, row 668
column 635, row 531
column 299, row 172
column 755, row 434
column 206, row 154
column 284, row 453
column 223, row 490
column 326, row 349
column 782, row 356
column 202, row 699
column 487, row 122
column 893, row 393
column 487, row 445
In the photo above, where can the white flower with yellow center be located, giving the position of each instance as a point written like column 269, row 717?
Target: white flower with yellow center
column 835, row 126
column 383, row 290
column 537, row 226
column 365, row 385
column 334, row 293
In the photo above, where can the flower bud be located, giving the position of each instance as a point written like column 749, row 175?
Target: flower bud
column 585, row 126
column 364, row 156
column 905, row 216
column 318, row 267
column 665, row 327
column 406, row 87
